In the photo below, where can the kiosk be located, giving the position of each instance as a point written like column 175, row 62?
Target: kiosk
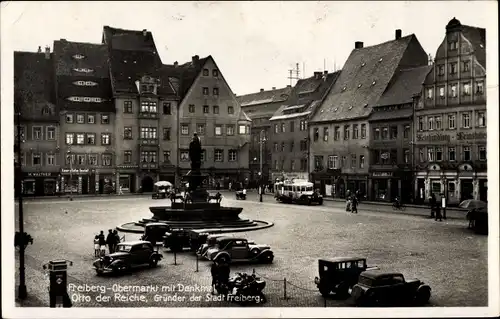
column 58, row 291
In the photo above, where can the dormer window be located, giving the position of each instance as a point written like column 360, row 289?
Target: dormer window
column 359, row 85
column 363, row 64
column 46, row 111
column 205, row 72
column 344, row 88
column 373, row 83
column 350, row 107
column 335, row 110
column 83, row 70
column 135, row 62
column 380, row 60
column 124, row 61
column 78, row 57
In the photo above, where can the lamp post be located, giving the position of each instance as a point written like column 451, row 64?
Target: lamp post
column 70, row 175
column 262, row 140
column 22, row 291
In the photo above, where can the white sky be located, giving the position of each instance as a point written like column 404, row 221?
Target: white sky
column 254, row 43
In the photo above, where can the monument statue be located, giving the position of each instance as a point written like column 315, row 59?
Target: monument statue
column 195, row 151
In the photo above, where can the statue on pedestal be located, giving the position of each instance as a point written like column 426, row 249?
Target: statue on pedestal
column 195, row 151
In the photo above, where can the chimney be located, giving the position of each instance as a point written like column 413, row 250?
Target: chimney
column 317, row 75
column 325, row 72
column 176, row 64
column 274, row 88
column 358, row 45
column 398, row 34
column 144, row 32
column 47, row 52
column 39, row 49
column 196, row 59
column 288, row 86
column 262, row 90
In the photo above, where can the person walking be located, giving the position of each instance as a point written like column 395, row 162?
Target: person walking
column 120, row 189
column 117, row 240
column 348, row 201
column 111, row 241
column 438, row 213
column 102, row 243
column 354, row 204
column 97, row 247
column 433, row 205
column 214, row 270
column 224, row 272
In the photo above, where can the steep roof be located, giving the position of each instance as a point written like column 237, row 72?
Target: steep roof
column 132, row 40
column 186, row 74
column 33, row 84
column 363, row 80
column 477, row 37
column 306, row 96
column 264, row 97
column 72, row 55
column 405, row 84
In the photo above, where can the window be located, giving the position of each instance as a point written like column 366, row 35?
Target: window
column 451, row 154
column 205, row 91
column 441, row 70
column 466, row 120
column 127, row 133
column 363, row 131
column 353, row 160
column 303, row 145
column 333, row 162
column 51, row 159
column 104, row 119
column 51, row 133
column 215, row 73
column 479, row 87
column 200, row 129
column 421, row 155
column 105, row 139
column 37, row 132
column 92, row 159
column 70, row 159
column 91, row 118
column 482, row 153
column 185, row 156
column 80, row 118
column 276, row 128
column 451, row 121
column 232, row 155
column 230, row 110
column 218, row 155
column 127, row 157
column 361, row 161
column 144, row 156
column 148, row 133
column 430, row 154
column 80, row 138
column 325, row 134
column 481, row 119
column 344, row 161
column 91, row 138
column 453, row 45
column 276, row 164
column 191, row 108
column 184, row 129
column 438, row 122
column 106, row 159
column 385, row 133
column 292, row 165
column 69, row 118
column 292, row 144
column 283, row 130
column 376, row 133
column 127, row 106
column 355, row 131
column 431, row 123
column 206, row 109
column 316, row 134
column 318, row 162
column 453, row 90
column 37, row 159
column 69, row 138
column 167, row 108
column 292, row 126
column 282, row 146
column 406, row 131
column 216, row 109
column 229, row 129
column 275, row 147
column 166, row 156
column 346, row 132
column 467, row 154
column 218, row 129
column 394, row 132
column 466, row 89
column 439, row 154
column 441, row 92
column 302, row 125
column 406, row 154
column 466, row 66
column 153, row 157
column 453, row 68
column 216, row 91
column 336, row 135
column 205, row 72
column 242, row 129
column 80, row 159
column 430, row 92
column 420, row 123
column 303, row 164
column 166, row 134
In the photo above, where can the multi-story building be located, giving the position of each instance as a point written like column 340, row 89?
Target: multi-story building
column 391, row 141
column 87, row 117
column 39, row 122
column 339, row 129
column 209, row 107
column 260, row 107
column 450, row 119
column 289, row 126
column 146, row 110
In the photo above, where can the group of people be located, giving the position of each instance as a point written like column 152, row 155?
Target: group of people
column 352, row 202
column 220, row 274
column 436, row 209
column 100, row 242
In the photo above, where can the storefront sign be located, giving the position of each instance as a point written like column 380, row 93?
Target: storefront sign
column 41, row 174
column 75, row 171
column 433, row 137
column 471, row 136
column 382, row 174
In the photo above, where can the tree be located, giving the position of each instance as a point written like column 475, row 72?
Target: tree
column 22, row 239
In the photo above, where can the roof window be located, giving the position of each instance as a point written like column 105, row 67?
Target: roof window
column 380, row 60
column 373, row 83
column 135, row 62
column 78, row 56
column 350, row 107
column 124, row 61
column 359, row 85
column 129, row 77
column 335, row 110
column 343, row 89
column 366, row 105
column 363, row 64
column 481, row 45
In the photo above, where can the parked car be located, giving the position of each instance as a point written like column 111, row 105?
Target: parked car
column 379, row 288
column 128, row 255
column 176, row 239
column 211, row 241
column 339, row 275
column 234, row 249
column 154, row 232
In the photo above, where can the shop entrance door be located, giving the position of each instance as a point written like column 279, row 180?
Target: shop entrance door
column 466, row 189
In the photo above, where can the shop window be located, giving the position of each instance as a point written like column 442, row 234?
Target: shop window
column 436, row 187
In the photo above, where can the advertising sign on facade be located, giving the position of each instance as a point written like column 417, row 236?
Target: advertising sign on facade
column 75, row 171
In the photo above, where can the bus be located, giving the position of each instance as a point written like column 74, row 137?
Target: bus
column 297, row 191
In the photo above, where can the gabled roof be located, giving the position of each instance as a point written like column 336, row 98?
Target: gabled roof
column 73, row 55
column 264, row 97
column 306, row 96
column 132, row 40
column 405, row 84
column 477, row 37
column 243, row 116
column 186, row 74
column 363, row 80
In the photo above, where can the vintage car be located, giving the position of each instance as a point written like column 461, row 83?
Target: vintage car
column 162, row 190
column 176, row 239
column 297, row 191
column 379, row 288
column 211, row 241
column 339, row 275
column 234, row 249
column 478, row 220
column 154, row 232
column 127, row 255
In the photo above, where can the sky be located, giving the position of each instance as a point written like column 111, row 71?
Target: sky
column 255, row 44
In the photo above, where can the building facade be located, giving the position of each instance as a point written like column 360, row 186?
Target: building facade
column 38, row 123
column 289, row 126
column 340, row 130
column 391, row 141
column 260, row 107
column 450, row 119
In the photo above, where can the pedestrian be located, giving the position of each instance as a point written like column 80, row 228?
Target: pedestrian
column 224, row 272
column 97, row 247
column 348, row 202
column 102, row 243
column 111, row 241
column 354, row 204
column 214, row 270
column 438, row 213
column 120, row 190
column 118, row 239
column 230, row 186
column 433, row 204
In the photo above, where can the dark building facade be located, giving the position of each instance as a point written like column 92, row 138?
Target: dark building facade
column 34, row 102
column 450, row 119
column 260, row 107
column 340, row 130
column 391, row 141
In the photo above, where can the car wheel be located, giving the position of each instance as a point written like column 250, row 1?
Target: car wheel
column 99, row 272
column 268, row 258
column 222, row 259
column 153, row 262
column 324, row 291
column 423, row 295
column 254, row 252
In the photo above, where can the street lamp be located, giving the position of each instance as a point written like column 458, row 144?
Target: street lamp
column 69, row 157
column 262, row 140
column 22, row 291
